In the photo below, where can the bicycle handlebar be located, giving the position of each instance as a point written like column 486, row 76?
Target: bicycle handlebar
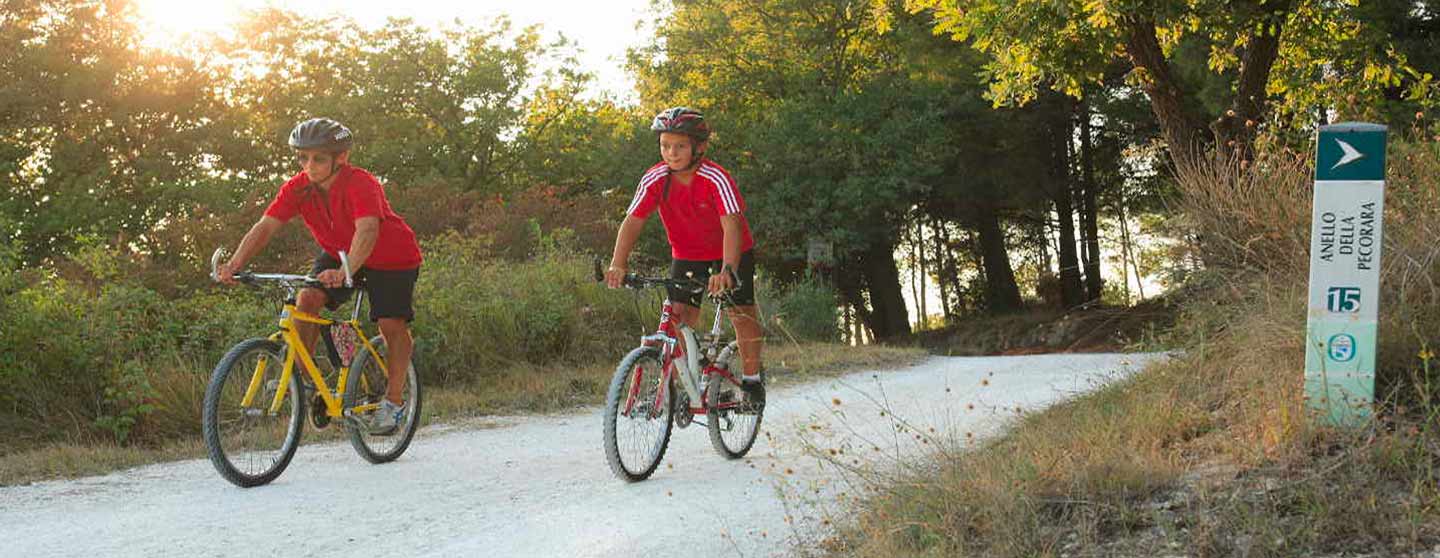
column 251, row 278
column 637, row 282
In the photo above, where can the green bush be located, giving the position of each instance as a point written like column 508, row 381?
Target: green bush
column 806, row 310
column 68, row 354
column 475, row 314
column 89, row 351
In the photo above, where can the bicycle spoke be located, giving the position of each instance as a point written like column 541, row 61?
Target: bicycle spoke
column 249, row 443
column 639, row 418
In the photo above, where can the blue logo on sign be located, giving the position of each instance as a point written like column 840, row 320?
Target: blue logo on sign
column 1342, row 347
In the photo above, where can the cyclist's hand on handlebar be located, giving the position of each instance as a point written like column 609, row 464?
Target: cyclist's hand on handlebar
column 615, row 277
column 225, row 273
column 720, row 283
column 332, row 278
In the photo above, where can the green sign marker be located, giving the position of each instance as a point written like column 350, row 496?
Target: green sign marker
column 1345, row 240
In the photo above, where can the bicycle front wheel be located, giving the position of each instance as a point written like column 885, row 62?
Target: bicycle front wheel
column 367, row 385
column 638, row 416
column 249, row 441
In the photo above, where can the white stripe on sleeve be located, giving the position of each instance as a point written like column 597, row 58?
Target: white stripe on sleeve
column 724, row 187
column 645, row 182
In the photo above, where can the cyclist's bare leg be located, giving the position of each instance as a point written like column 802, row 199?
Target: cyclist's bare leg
column 750, row 335
column 397, row 339
column 687, row 314
column 310, row 301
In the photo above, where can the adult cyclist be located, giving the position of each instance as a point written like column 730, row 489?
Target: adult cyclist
column 345, row 209
column 704, row 218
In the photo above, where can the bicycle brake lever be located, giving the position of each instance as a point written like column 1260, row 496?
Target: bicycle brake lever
column 345, row 265
column 215, row 264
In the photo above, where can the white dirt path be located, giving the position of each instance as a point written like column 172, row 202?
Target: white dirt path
column 539, row 486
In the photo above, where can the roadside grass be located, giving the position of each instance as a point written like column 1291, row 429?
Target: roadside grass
column 1212, row 453
column 1207, row 454
column 1049, row 330
column 1071, row 470
column 515, row 390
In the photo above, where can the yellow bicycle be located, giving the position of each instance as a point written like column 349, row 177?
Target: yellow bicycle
column 255, row 405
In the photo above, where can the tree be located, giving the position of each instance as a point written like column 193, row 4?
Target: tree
column 425, row 105
column 1260, row 49
column 98, row 136
column 809, row 90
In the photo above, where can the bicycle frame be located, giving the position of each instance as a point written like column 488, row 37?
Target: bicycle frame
column 679, row 349
column 290, row 316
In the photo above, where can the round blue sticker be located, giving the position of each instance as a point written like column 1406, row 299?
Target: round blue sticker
column 1342, row 347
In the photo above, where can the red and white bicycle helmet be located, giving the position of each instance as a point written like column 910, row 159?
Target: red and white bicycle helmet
column 682, row 120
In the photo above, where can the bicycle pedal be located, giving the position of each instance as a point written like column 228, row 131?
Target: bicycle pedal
column 319, row 413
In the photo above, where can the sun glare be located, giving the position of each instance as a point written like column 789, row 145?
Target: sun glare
column 603, row 29
column 171, row 23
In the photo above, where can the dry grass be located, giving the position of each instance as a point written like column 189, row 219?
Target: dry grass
column 1213, row 454
column 77, row 460
column 520, row 389
column 1210, row 452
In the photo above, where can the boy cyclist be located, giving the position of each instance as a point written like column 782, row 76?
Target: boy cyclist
column 346, row 210
column 704, row 218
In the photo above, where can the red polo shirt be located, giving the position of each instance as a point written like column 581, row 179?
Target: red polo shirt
column 691, row 212
column 331, row 216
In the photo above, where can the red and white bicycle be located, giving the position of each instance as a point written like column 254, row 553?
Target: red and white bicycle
column 672, row 379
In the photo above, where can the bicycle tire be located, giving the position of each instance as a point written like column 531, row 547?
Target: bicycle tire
column 642, row 463
column 226, row 434
column 732, row 434
column 379, row 449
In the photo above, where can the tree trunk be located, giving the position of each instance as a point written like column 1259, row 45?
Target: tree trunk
column 945, row 271
column 1184, row 130
column 1235, row 130
column 1072, row 291
column 1001, row 292
column 924, row 277
column 848, row 280
column 1042, row 247
column 1089, row 213
column 914, row 272
column 1129, row 250
column 888, row 319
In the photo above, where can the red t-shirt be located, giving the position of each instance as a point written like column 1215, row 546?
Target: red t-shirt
column 331, row 217
column 691, row 212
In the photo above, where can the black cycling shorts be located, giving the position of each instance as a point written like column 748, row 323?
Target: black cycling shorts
column 392, row 292
column 701, row 270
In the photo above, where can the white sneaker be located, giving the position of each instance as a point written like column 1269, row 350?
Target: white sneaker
column 387, row 418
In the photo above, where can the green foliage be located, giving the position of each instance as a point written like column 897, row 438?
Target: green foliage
column 476, row 314
column 1347, row 56
column 126, row 402
column 66, row 344
column 112, row 140
column 425, row 105
column 101, row 354
column 101, row 137
column 806, row 310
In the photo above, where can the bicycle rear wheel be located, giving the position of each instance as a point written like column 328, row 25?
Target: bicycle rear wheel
column 247, row 443
column 732, row 433
column 637, row 426
column 367, row 385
